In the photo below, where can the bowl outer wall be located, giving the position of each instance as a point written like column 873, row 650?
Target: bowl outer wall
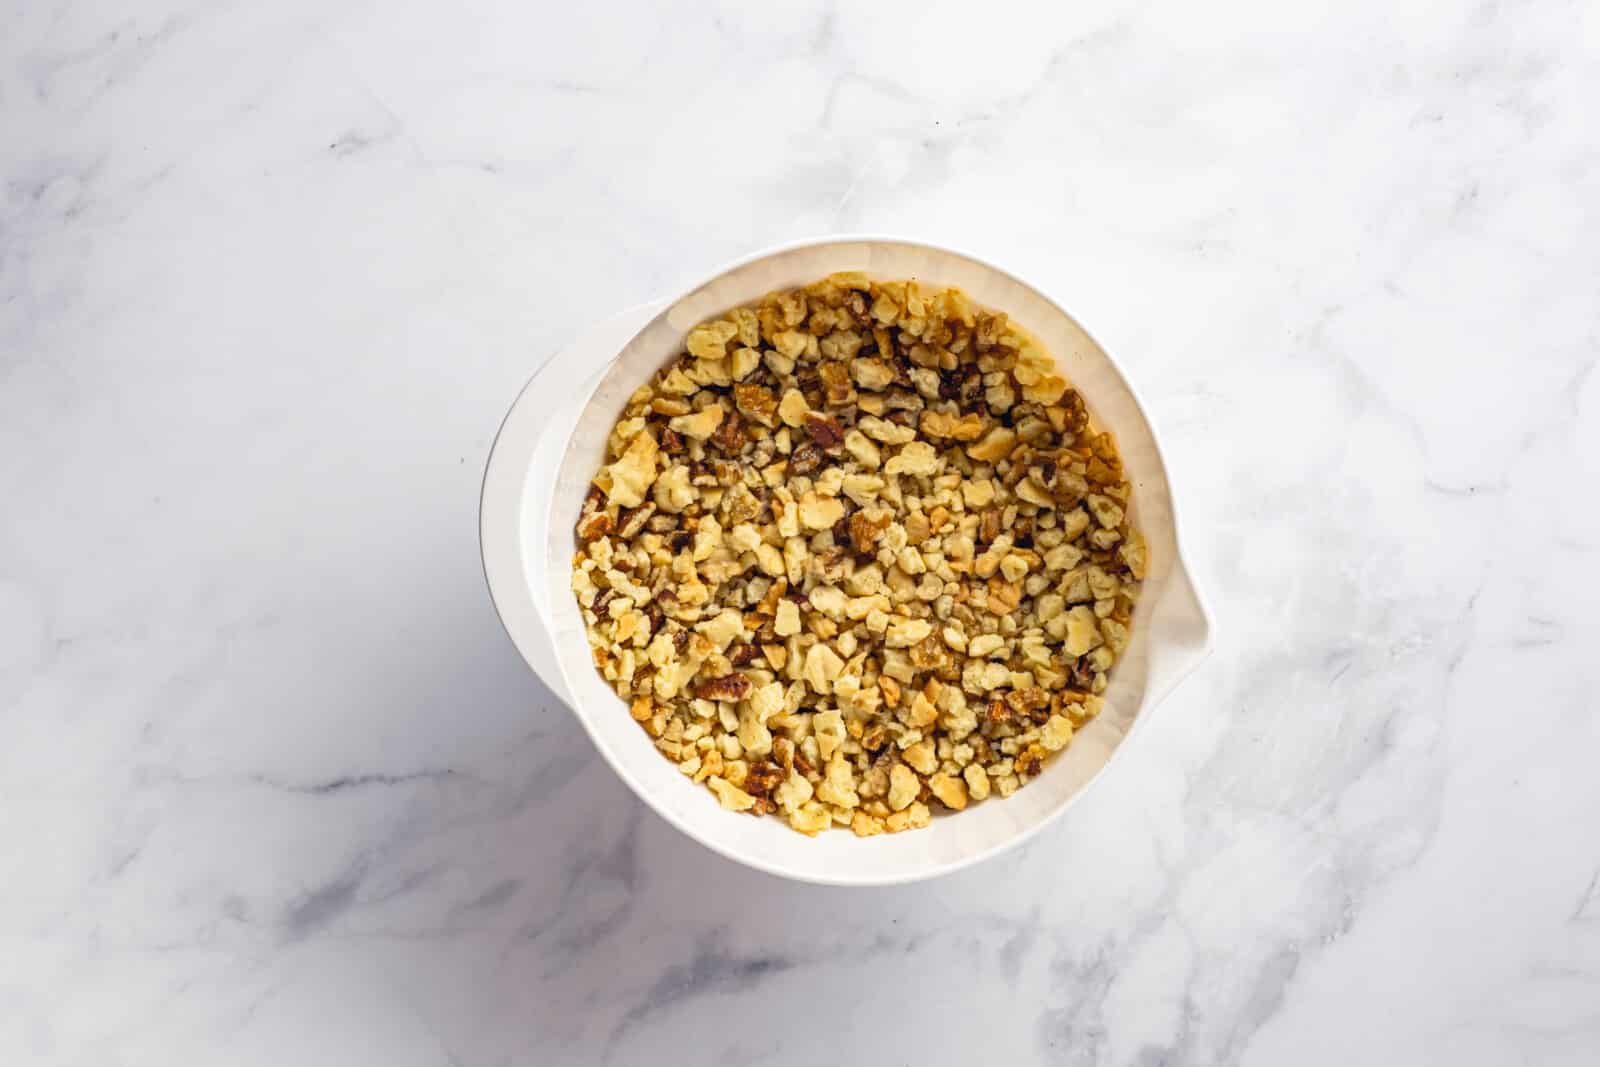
column 1171, row 631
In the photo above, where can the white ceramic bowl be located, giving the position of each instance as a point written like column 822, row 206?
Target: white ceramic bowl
column 552, row 443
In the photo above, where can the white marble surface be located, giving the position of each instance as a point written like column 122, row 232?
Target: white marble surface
column 275, row 789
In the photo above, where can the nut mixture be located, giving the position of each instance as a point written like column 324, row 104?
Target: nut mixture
column 857, row 556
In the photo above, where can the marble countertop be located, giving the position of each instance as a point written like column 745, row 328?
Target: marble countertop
column 274, row 786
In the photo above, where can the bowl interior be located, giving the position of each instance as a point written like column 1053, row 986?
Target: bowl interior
column 1169, row 629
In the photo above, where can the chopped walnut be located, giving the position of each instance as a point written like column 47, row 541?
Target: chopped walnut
column 710, row 340
column 995, row 445
column 634, row 471
column 593, row 527
column 728, row 687
column 820, row 512
column 824, row 431
column 858, row 550
column 903, row 633
column 903, row 786
column 731, row 796
column 942, row 424
column 792, row 409
column 951, row 791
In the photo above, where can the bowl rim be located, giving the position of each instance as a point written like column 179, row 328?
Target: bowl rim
column 649, row 312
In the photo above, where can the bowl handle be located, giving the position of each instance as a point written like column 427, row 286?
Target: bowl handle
column 519, row 479
column 1180, row 637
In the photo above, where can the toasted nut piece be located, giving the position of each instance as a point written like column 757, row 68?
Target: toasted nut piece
column 903, row 633
column 756, row 402
column 886, row 432
column 940, row 424
column 792, row 343
column 677, row 383
column 820, row 512
column 594, row 526
column 985, row 645
column 633, row 472
column 1014, row 567
column 762, row 778
column 1029, row 702
column 795, row 790
column 729, row 436
column 710, row 340
column 952, row 792
column 917, row 458
column 701, row 425
column 792, row 409
column 1031, row 760
column 1083, row 631
column 1046, row 391
column 787, row 621
column 727, row 687
column 872, row 373
column 1105, row 510
column 922, row 713
column 867, row 527
column 822, row 666
column 722, row 628
column 836, row 383
column 743, row 363
column 673, row 491
column 805, row 459
column 903, row 786
column 828, row 727
column 1056, row 734
column 810, row 819
column 1134, row 553
column 864, row 825
column 890, row 690
column 825, row 432
column 977, row 493
column 829, row 600
column 729, row 795
column 996, row 445
column 631, row 521
column 710, row 764
column 863, row 451
column 921, row 758
column 1004, row 596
